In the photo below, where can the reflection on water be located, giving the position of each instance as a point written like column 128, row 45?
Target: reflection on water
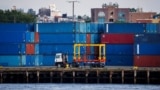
column 77, row 87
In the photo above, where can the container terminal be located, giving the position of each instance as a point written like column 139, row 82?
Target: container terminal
column 78, row 52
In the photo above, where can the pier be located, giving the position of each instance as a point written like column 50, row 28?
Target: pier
column 121, row 75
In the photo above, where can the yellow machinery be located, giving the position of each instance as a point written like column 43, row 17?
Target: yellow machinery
column 101, row 57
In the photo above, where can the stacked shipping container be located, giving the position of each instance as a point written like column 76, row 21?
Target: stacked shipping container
column 37, row 44
column 147, row 51
column 119, row 49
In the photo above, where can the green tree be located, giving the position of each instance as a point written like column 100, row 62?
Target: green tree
column 13, row 16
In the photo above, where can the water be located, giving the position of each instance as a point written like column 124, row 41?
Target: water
column 77, row 87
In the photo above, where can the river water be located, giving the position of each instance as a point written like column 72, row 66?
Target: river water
column 78, row 87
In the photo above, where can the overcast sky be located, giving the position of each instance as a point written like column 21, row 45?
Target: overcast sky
column 81, row 8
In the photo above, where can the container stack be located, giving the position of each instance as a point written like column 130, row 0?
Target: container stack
column 147, row 51
column 119, row 40
column 13, row 43
column 119, row 49
column 55, row 38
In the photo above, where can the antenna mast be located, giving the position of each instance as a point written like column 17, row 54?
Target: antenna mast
column 73, row 7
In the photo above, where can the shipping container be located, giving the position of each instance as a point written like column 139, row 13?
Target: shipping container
column 147, row 38
column 151, row 28
column 101, row 27
column 23, row 48
column 55, row 27
column 147, row 49
column 36, row 49
column 117, row 38
column 52, row 49
column 30, row 49
column 15, row 27
column 30, row 37
column 147, row 60
column 57, row 38
column 36, row 39
column 119, row 60
column 12, row 37
column 10, row 49
column 10, row 60
column 38, row 60
column 133, row 28
column 93, row 27
column 48, row 60
column 82, row 50
column 119, row 49
column 158, row 28
column 95, row 38
column 88, row 38
column 88, row 28
column 80, row 38
column 30, row 60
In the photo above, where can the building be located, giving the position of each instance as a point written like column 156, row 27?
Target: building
column 44, row 12
column 31, row 11
column 53, row 11
column 112, row 13
column 134, row 16
column 109, row 13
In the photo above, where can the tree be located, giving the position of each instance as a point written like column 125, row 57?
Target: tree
column 14, row 16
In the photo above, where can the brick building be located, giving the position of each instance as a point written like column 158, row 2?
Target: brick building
column 112, row 13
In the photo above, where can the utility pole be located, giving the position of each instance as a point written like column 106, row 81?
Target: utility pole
column 73, row 7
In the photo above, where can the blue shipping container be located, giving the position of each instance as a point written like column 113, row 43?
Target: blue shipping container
column 57, row 38
column 119, row 60
column 38, row 60
column 55, row 27
column 101, row 28
column 10, row 60
column 88, row 28
column 29, row 37
column 80, row 38
column 48, row 60
column 93, row 27
column 10, row 49
column 12, row 37
column 36, row 49
column 14, row 27
column 133, row 28
column 147, row 49
column 30, row 60
column 95, row 38
column 23, row 48
column 147, row 38
column 53, row 48
column 151, row 28
column 82, row 50
column 119, row 49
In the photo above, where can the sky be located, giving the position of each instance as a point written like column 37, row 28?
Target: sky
column 83, row 7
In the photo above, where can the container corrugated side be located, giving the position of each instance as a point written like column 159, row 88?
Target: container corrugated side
column 14, row 27
column 48, row 60
column 57, row 38
column 30, row 60
column 147, row 49
column 119, row 49
column 10, row 60
column 119, row 60
column 80, row 38
column 132, row 28
column 55, row 27
column 147, row 38
column 10, row 49
column 117, row 38
column 30, row 49
column 147, row 60
column 51, row 49
column 151, row 28
column 30, row 37
column 12, row 37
